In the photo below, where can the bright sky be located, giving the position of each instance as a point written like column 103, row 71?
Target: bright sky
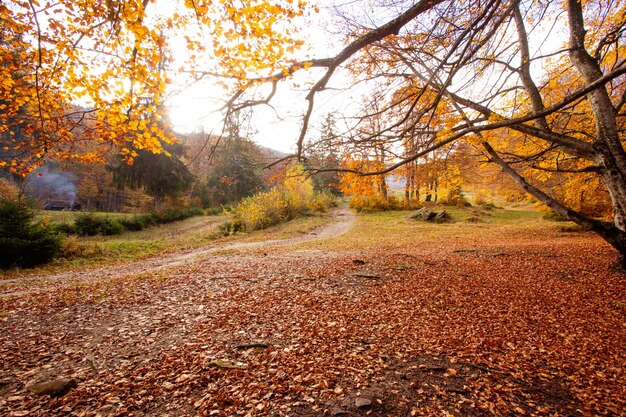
column 278, row 127
column 197, row 108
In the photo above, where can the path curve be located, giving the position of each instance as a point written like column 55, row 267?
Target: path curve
column 343, row 219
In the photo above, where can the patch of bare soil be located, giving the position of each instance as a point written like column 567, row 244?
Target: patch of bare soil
column 491, row 330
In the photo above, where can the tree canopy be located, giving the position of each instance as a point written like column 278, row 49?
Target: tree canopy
column 537, row 88
column 109, row 56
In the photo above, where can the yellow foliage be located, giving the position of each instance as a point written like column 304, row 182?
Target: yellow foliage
column 8, row 190
column 112, row 56
column 374, row 203
column 283, row 202
column 357, row 185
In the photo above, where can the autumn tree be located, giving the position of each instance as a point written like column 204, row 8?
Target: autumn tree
column 105, row 54
column 366, row 192
column 536, row 87
column 507, row 73
column 234, row 171
column 159, row 175
column 323, row 157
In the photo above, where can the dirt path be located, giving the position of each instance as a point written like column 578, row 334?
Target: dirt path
column 343, row 220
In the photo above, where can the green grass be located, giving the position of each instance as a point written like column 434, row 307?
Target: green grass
column 59, row 217
column 391, row 229
column 384, row 230
column 92, row 251
column 293, row 228
column 84, row 252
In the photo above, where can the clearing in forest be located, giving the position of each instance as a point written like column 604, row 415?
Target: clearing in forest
column 504, row 314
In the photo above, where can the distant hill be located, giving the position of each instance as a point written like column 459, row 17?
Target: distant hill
column 270, row 155
column 199, row 147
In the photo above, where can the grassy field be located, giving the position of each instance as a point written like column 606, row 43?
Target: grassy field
column 69, row 216
column 382, row 230
column 79, row 251
column 386, row 230
column 190, row 233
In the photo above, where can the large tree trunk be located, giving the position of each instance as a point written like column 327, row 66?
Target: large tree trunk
column 608, row 152
column 615, row 236
column 616, row 186
column 611, row 156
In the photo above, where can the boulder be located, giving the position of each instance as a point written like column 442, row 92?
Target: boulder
column 428, row 215
column 441, row 217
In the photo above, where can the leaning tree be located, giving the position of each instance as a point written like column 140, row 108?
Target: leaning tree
column 537, row 87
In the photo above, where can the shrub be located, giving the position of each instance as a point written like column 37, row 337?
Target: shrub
column 139, row 222
column 213, row 211
column 322, row 201
column 272, row 207
column 88, row 224
column 552, row 216
column 73, row 248
column 65, row 228
column 173, row 214
column 135, row 223
column 149, row 219
column 259, row 211
column 23, row 242
column 455, row 197
column 374, row 203
column 412, row 204
column 479, row 199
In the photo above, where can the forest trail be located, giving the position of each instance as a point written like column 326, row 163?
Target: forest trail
column 342, row 221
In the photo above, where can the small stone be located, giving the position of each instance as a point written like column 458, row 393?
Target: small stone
column 358, row 262
column 361, row 402
column 226, row 364
column 182, row 378
column 54, row 388
column 338, row 412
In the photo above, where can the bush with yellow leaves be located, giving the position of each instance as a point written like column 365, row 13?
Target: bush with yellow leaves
column 374, row 202
column 295, row 196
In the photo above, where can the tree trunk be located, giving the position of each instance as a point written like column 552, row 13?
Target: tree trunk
column 382, row 186
column 612, row 234
column 616, row 186
column 611, row 156
column 158, row 200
